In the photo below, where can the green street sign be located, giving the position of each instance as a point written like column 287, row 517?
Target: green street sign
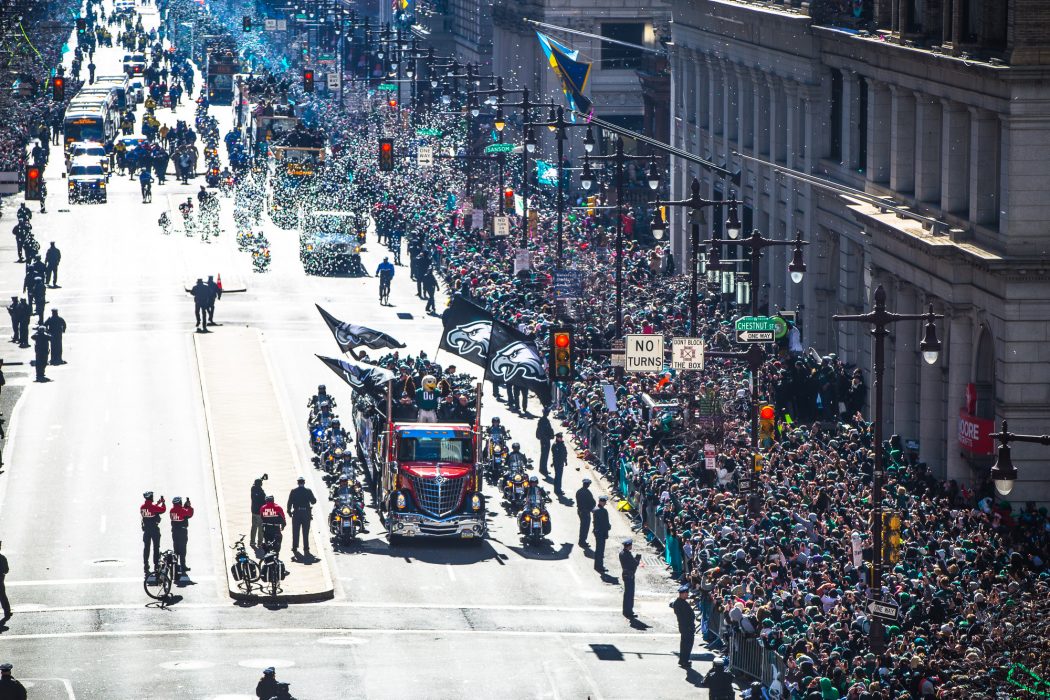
column 499, row 148
column 428, row 132
column 762, row 324
column 387, row 87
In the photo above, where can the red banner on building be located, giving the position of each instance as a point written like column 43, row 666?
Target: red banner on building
column 974, row 433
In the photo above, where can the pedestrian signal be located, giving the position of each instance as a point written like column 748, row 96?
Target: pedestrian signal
column 386, row 155
column 34, row 177
column 81, row 25
column 247, row 23
column 561, row 362
column 308, row 80
column 58, row 88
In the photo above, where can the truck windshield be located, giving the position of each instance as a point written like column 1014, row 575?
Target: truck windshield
column 435, row 449
column 323, row 223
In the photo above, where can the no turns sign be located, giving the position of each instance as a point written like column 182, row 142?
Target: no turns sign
column 643, row 353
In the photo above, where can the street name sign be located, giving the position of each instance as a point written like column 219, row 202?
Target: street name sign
column 643, row 353
column 616, row 354
column 425, row 156
column 499, row 148
column 756, row 329
column 500, row 226
column 687, row 353
column 887, row 612
column 386, row 87
column 428, row 132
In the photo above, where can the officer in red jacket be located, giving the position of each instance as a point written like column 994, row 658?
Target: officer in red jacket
column 180, row 529
column 151, row 513
column 273, row 523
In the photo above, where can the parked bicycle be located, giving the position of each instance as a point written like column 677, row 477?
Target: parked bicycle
column 158, row 583
column 271, row 569
column 245, row 571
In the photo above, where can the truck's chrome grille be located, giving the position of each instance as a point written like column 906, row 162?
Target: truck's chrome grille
column 439, row 496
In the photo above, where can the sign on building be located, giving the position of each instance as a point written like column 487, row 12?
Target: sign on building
column 643, row 353
column 687, row 353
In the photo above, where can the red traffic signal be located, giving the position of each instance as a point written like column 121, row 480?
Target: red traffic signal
column 392, row 102
column 386, row 155
column 508, row 200
column 561, row 360
column 58, row 87
column 308, row 80
column 767, row 413
column 33, row 179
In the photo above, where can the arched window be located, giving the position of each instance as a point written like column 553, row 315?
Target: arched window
column 984, row 378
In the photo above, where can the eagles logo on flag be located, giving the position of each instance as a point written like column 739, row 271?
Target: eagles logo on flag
column 365, row 379
column 516, row 361
column 350, row 335
column 467, row 331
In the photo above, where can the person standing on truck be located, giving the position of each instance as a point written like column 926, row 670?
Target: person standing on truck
column 427, row 400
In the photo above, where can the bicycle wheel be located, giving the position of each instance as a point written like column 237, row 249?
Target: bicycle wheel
column 275, row 578
column 153, row 584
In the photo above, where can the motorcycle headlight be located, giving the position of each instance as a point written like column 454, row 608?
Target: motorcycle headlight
column 338, row 519
column 346, row 510
column 543, row 518
column 400, row 501
column 517, row 477
column 535, row 511
column 528, row 518
column 510, row 483
column 475, row 502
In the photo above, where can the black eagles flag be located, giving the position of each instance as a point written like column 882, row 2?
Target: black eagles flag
column 515, row 360
column 467, row 330
column 350, row 336
column 363, row 378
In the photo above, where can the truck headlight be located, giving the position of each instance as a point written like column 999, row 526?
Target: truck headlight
column 475, row 502
column 400, row 501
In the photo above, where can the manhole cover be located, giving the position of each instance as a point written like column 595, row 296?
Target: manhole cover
column 404, row 316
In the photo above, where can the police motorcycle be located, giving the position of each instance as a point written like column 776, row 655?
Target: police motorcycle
column 496, row 451
column 318, row 424
column 515, row 482
column 344, row 522
column 534, row 521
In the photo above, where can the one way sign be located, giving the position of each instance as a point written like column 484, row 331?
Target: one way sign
column 887, row 612
column 754, row 336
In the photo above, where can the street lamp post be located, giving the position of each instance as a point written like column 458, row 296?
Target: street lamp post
column 879, row 319
column 1004, row 473
column 619, row 158
column 696, row 203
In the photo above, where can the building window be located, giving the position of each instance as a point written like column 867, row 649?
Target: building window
column 862, row 125
column 971, row 20
column 836, row 115
column 618, row 56
column 916, row 16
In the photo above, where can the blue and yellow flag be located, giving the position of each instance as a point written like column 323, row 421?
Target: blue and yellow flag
column 572, row 72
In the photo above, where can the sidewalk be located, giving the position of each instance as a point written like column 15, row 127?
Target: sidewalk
column 248, row 438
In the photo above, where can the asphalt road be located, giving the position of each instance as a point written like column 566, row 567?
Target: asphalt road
column 125, row 415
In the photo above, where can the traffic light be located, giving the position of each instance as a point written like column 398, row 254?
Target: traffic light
column 592, row 202
column 81, row 26
column 386, row 155
column 246, row 23
column 508, row 200
column 34, row 176
column 767, row 426
column 58, row 88
column 392, row 102
column 561, row 362
column 891, row 538
column 308, row 80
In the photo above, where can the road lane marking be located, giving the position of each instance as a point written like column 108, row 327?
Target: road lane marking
column 572, row 572
column 90, row 581
column 330, row 630
column 451, row 573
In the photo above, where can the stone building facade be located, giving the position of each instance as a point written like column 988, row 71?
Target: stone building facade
column 941, row 107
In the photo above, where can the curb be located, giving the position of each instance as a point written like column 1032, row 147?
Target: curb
column 232, row 587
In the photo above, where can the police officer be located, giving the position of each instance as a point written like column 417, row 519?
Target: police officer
column 266, row 688
column 216, row 293
column 40, row 349
column 9, row 687
column 683, row 611
column 150, row 513
column 12, row 309
column 601, row 533
column 258, row 501
column 180, row 529
column 544, row 433
column 56, row 328
column 273, row 523
column 628, row 566
column 719, row 680
column 300, row 500
column 25, row 314
column 560, row 455
column 5, row 569
column 38, row 294
column 201, row 296
column 52, row 258
column 584, row 505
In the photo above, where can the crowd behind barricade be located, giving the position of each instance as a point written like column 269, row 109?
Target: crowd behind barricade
column 784, row 568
